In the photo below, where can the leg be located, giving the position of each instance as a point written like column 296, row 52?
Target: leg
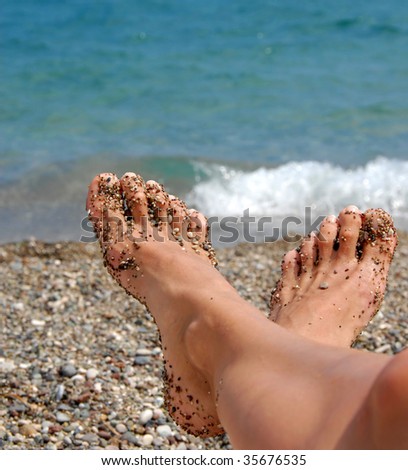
column 216, row 344
column 381, row 422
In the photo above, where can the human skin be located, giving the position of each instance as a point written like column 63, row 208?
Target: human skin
column 230, row 368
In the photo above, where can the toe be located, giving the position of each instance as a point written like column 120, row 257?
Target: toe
column 290, row 269
column 158, row 202
column 308, row 256
column 379, row 236
column 350, row 225
column 326, row 238
column 105, row 206
column 287, row 285
column 198, row 226
column 133, row 188
column 179, row 216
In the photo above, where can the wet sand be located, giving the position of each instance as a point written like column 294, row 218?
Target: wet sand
column 80, row 363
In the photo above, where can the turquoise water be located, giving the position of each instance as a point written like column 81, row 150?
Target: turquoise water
column 201, row 95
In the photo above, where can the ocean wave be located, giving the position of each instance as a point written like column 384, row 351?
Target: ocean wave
column 289, row 188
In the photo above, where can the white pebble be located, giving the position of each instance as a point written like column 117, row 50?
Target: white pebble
column 145, row 416
column 91, row 374
column 78, row 378
column 6, row 366
column 147, row 439
column 98, row 387
column 18, row 306
column 164, row 430
column 157, row 413
column 143, row 352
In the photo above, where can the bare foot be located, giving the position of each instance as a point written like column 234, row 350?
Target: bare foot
column 333, row 285
column 159, row 252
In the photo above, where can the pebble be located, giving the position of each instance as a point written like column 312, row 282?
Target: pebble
column 91, row 374
column 67, row 440
column 145, row 416
column 121, row 428
column 18, row 306
column 130, row 437
column 6, row 366
column 68, row 370
column 28, row 430
column 147, row 440
column 59, row 393
column 62, row 417
column 157, row 413
column 143, row 352
column 142, row 360
column 78, row 378
column 164, row 430
column 91, row 438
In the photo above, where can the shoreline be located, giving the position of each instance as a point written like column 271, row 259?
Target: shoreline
column 80, row 365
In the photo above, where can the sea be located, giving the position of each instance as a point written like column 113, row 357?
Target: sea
column 265, row 107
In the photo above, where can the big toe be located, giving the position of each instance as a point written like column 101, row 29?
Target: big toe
column 105, row 206
column 378, row 238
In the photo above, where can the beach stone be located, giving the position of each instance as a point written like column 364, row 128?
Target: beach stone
column 62, row 417
column 147, row 440
column 164, row 430
column 145, row 416
column 17, row 408
column 68, row 370
column 50, row 446
column 157, row 413
column 121, row 428
column 6, row 366
column 59, row 392
column 28, row 430
column 130, row 437
column 18, row 306
column 142, row 360
column 91, row 438
column 143, row 352
column 91, row 374
column 78, row 378
column 158, row 441
column 104, row 434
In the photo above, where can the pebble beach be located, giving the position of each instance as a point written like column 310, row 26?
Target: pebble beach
column 80, row 361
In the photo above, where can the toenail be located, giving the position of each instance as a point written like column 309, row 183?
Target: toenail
column 351, row 209
column 332, row 219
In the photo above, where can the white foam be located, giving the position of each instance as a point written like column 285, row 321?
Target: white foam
column 289, row 188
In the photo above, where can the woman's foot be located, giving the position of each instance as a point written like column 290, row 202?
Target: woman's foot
column 333, row 285
column 159, row 252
